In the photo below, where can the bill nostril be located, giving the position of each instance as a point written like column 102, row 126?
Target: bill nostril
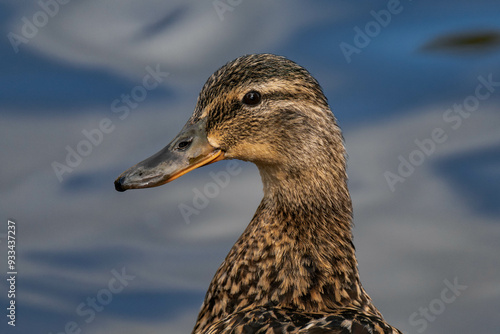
column 181, row 146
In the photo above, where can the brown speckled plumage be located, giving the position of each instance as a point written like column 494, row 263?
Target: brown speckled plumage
column 294, row 269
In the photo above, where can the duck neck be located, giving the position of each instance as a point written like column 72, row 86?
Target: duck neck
column 306, row 218
column 297, row 251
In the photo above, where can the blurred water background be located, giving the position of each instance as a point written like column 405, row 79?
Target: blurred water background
column 415, row 86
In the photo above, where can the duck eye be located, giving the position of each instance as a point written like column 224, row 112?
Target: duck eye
column 252, row 98
column 181, row 146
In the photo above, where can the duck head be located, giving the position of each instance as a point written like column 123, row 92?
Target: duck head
column 260, row 108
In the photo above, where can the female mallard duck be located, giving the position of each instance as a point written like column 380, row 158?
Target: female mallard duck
column 294, row 269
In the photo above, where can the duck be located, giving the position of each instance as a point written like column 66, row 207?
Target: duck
column 294, row 268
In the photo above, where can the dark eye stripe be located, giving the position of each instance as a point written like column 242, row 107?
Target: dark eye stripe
column 279, row 95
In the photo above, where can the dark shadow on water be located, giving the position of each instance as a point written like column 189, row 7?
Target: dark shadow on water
column 465, row 42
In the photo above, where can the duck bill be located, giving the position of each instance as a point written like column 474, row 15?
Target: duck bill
column 188, row 151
